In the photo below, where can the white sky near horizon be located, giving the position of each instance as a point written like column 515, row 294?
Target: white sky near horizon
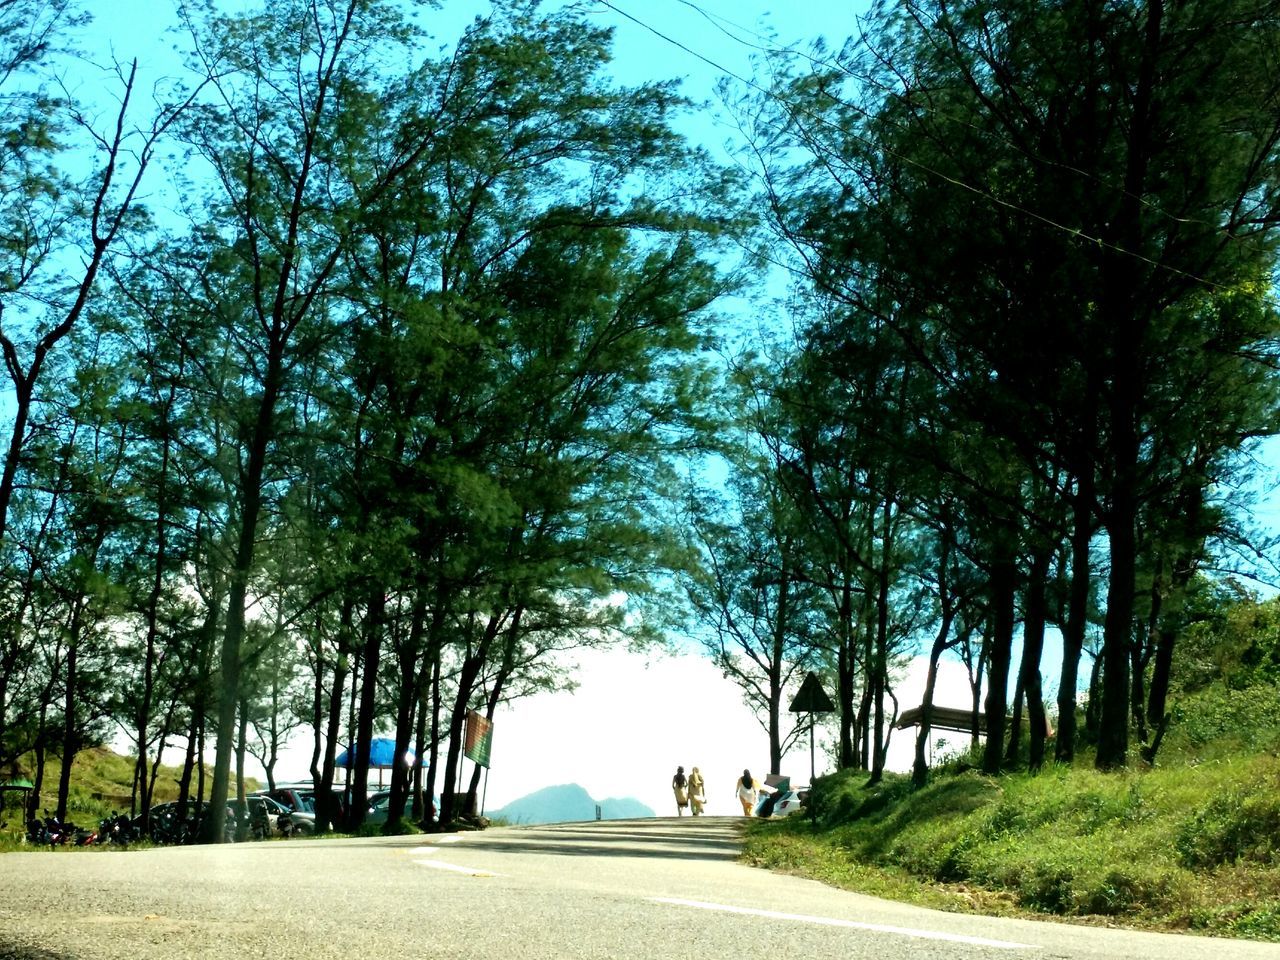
column 634, row 717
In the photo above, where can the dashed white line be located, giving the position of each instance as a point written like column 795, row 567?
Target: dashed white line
column 854, row 924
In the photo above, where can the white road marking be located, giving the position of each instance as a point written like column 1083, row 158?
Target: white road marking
column 854, row 924
column 441, row 865
column 452, row 838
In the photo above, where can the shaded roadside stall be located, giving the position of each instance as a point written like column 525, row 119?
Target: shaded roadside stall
column 18, row 788
column 382, row 756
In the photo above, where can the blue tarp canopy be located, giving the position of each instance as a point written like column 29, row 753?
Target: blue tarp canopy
column 382, row 754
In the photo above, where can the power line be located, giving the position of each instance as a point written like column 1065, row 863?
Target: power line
column 834, row 64
column 793, row 110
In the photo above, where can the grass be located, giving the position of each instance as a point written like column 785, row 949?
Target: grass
column 1191, row 845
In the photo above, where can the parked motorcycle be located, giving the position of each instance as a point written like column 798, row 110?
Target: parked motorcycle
column 51, row 831
column 116, row 829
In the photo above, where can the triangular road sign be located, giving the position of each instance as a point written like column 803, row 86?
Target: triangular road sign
column 812, row 698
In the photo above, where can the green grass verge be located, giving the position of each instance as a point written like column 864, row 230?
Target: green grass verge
column 1189, row 847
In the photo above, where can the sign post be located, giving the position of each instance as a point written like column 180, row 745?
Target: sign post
column 477, row 744
column 812, row 699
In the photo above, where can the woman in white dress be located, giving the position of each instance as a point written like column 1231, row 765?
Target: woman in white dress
column 748, row 793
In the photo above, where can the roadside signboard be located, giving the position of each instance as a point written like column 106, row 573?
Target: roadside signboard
column 477, row 741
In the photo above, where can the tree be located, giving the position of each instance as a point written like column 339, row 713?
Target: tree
column 753, row 603
column 1072, row 306
column 56, row 225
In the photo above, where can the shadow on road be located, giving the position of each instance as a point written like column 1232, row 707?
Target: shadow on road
column 652, row 839
column 13, row 951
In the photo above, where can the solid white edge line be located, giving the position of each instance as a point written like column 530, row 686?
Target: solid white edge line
column 854, row 924
column 441, row 865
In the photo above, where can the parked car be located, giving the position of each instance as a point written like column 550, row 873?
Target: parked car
column 284, row 822
column 299, row 801
column 252, row 816
column 791, row 801
column 270, row 818
column 173, row 823
column 378, row 803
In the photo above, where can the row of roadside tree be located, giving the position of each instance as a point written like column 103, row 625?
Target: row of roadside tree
column 404, row 380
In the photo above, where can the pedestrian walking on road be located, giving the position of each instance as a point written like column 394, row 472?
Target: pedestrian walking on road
column 697, row 792
column 680, row 785
column 748, row 792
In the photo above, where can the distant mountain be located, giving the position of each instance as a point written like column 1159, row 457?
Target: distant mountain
column 566, row 803
column 623, row 808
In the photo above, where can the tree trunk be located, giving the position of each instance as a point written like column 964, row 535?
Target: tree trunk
column 1113, row 729
column 375, row 618
column 433, row 753
column 1118, row 312
column 419, row 809
column 467, row 676
column 326, row 808
column 881, row 678
column 317, row 711
column 188, row 768
column 70, row 736
column 242, row 736
column 33, row 802
column 845, row 661
column 1140, row 652
column 1003, row 591
column 411, row 651
column 920, row 768
column 495, row 693
column 1035, row 613
column 143, row 716
column 1014, row 745
column 1093, row 710
column 778, row 654
column 1077, row 614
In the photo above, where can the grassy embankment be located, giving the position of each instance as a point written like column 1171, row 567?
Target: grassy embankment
column 1193, row 844
column 100, row 782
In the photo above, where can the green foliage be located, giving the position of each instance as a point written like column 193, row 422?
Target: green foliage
column 1240, row 823
column 1222, row 719
column 1233, row 639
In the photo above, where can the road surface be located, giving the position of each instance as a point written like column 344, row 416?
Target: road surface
column 661, row 888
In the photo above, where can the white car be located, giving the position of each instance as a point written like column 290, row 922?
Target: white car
column 791, row 801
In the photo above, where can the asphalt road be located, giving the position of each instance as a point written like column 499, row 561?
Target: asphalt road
column 663, row 888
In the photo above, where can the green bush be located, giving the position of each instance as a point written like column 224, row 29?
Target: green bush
column 1048, row 887
column 1123, row 890
column 1245, row 715
column 845, row 797
column 1240, row 824
column 1262, row 923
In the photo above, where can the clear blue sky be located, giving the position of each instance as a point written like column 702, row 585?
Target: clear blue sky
column 655, row 39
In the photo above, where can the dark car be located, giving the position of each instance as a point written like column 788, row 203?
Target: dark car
column 378, row 803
